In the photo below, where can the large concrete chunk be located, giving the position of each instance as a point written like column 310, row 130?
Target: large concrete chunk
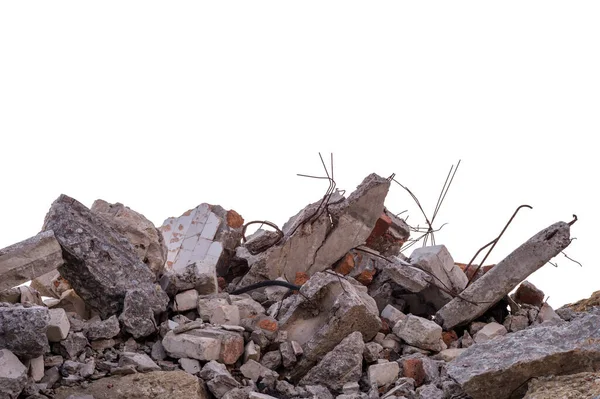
column 497, row 368
column 200, row 244
column 100, row 263
column 141, row 233
column 343, row 364
column 13, row 375
column 438, row 261
column 311, row 243
column 156, row 385
column 420, row 332
column 140, row 307
column 329, row 309
column 506, row 275
column 23, row 330
column 29, row 259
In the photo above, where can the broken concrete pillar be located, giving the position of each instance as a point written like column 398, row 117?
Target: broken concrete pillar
column 29, row 259
column 23, row 330
column 146, row 239
column 311, row 247
column 100, row 263
column 497, row 369
column 343, row 364
column 505, row 276
column 13, row 375
column 329, row 309
column 200, row 244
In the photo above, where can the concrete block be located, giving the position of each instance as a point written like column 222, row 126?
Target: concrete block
column 29, row 259
column 36, row 368
column 142, row 362
column 13, row 374
column 186, row 300
column 59, row 325
column 438, row 261
column 392, row 314
column 420, row 332
column 226, row 314
column 489, row 332
column 191, row 366
column 254, row 370
column 23, row 330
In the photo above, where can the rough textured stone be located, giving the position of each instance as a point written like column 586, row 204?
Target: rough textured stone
column 200, row 245
column 102, row 329
column 29, row 259
column 343, row 364
column 222, row 384
column 205, row 344
column 156, row 385
column 489, row 332
column 438, row 261
column 392, row 314
column 420, row 332
column 429, row 391
column 51, row 284
column 580, row 385
column 36, row 368
column 254, row 370
column 529, row 294
column 371, row 353
column 383, row 374
column 496, row 368
column 100, row 263
column 516, row 322
column 145, row 238
column 13, row 375
column 226, row 314
column 58, row 325
column 141, row 361
column 449, row 355
column 73, row 345
column 501, row 279
column 546, row 313
column 208, row 303
column 329, row 310
column 413, row 368
column 186, row 300
column 23, row 330
column 314, row 247
column 191, row 366
column 140, row 306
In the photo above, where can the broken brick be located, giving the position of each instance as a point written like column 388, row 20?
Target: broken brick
column 413, row 368
column 346, row 265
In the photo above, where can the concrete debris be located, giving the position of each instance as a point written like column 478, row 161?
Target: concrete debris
column 146, row 239
column 328, row 307
column 95, row 254
column 341, row 365
column 200, row 244
column 29, row 259
column 505, row 276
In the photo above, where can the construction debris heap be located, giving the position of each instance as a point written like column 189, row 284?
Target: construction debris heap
column 331, row 308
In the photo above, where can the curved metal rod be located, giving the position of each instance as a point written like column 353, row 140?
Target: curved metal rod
column 493, row 244
column 273, row 225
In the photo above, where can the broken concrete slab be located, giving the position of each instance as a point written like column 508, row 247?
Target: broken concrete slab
column 255, row 371
column 437, row 260
column 329, row 309
column 200, row 244
column 420, row 332
column 311, row 247
column 13, row 375
column 95, row 253
column 139, row 309
column 23, row 329
column 29, row 259
column 145, row 238
column 156, row 384
column 505, row 276
column 496, row 369
column 341, row 365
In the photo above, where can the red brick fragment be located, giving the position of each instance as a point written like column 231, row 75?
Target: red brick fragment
column 413, row 368
column 528, row 293
column 268, row 324
column 366, row 277
column 449, row 336
column 346, row 265
column 301, row 278
column 234, row 219
column 381, row 226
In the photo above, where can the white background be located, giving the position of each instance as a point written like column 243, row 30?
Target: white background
column 165, row 105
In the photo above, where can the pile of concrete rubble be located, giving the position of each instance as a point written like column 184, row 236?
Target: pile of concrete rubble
column 325, row 307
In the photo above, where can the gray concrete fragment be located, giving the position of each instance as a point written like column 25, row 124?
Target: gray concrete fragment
column 383, row 374
column 438, row 261
column 191, row 366
column 329, row 310
column 13, row 375
column 314, row 247
column 497, row 368
column 145, row 238
column 186, row 300
column 139, row 308
column 254, row 371
column 29, row 259
column 102, row 329
column 420, row 332
column 489, row 332
column 392, row 314
column 36, row 368
column 222, row 384
column 506, row 275
column 343, row 364
column 73, row 345
column 58, row 325
column 205, row 344
column 141, row 361
column 100, row 263
column 23, row 329
column 429, row 391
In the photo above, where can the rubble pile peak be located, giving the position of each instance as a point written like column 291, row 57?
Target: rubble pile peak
column 328, row 306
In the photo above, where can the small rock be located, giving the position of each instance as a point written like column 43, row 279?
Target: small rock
column 383, row 374
column 528, row 293
column 186, row 300
column 371, row 352
column 254, row 370
column 429, row 391
column 102, row 344
column 222, row 384
column 449, row 355
column 252, row 351
column 158, row 351
column 489, row 332
column 271, row 360
column 287, row 354
column 142, row 362
column 73, row 345
column 36, row 368
column 13, row 374
column 99, row 329
column 420, row 332
column 191, row 366
column 466, row 340
column 58, row 326
column 226, row 314
column 23, row 329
